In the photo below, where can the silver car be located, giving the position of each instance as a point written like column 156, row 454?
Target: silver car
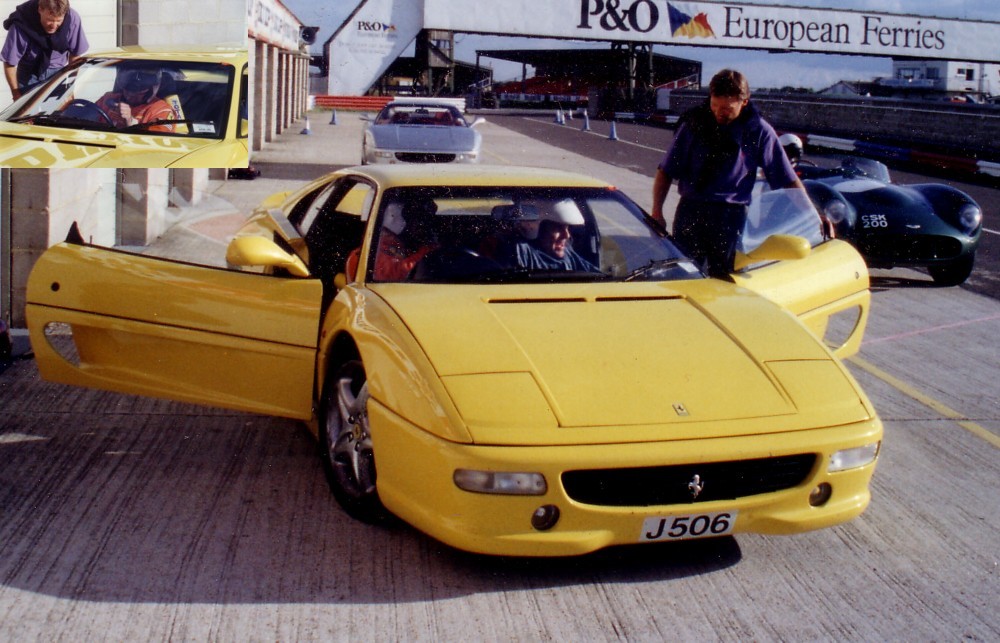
column 415, row 131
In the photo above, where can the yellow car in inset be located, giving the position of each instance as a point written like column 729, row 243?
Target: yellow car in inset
column 515, row 361
column 187, row 109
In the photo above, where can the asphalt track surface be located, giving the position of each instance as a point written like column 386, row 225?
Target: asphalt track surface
column 126, row 518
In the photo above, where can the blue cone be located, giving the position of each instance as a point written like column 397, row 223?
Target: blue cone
column 333, row 118
column 306, row 130
column 613, row 134
column 586, row 122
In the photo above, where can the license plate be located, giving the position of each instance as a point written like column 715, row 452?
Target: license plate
column 688, row 526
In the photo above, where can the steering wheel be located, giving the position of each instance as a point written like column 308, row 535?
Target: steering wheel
column 87, row 109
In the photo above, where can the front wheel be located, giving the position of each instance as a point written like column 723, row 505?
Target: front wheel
column 348, row 456
column 954, row 273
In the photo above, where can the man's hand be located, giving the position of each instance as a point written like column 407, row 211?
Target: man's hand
column 125, row 110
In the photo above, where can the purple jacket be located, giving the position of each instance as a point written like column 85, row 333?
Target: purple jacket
column 713, row 163
column 34, row 52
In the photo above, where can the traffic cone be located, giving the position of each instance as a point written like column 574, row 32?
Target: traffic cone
column 613, row 134
column 333, row 118
column 558, row 118
column 586, row 122
column 569, row 114
column 306, row 130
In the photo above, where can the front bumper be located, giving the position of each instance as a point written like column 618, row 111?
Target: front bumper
column 415, row 481
column 400, row 156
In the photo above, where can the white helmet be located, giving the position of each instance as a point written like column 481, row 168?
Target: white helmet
column 792, row 145
column 565, row 211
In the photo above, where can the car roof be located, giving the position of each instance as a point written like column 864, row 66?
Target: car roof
column 201, row 53
column 430, row 174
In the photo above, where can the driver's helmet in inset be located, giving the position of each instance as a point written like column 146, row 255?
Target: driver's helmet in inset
column 565, row 212
column 792, row 145
column 139, row 85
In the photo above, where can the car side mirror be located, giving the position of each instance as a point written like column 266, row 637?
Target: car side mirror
column 777, row 247
column 259, row 252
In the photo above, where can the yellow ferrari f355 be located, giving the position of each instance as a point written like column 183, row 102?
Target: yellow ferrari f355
column 134, row 108
column 515, row 361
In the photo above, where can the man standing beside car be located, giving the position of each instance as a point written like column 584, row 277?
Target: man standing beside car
column 716, row 153
column 43, row 36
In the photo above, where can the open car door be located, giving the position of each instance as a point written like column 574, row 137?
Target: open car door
column 823, row 282
column 148, row 326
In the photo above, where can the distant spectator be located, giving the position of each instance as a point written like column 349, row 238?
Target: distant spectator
column 43, row 36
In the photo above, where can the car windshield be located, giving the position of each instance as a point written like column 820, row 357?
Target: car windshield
column 403, row 114
column 846, row 167
column 519, row 235
column 166, row 98
column 787, row 211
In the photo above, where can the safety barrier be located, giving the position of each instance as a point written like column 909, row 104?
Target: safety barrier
column 376, row 103
column 353, row 103
column 892, row 153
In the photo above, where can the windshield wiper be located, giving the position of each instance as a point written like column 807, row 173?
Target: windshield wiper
column 139, row 127
column 61, row 120
column 543, row 274
column 652, row 266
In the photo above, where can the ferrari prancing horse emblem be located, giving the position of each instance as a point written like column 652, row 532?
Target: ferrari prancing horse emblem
column 696, row 486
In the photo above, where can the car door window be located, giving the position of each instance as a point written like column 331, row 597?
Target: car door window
column 334, row 223
column 787, row 211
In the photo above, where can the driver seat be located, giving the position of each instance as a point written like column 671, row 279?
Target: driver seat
column 168, row 92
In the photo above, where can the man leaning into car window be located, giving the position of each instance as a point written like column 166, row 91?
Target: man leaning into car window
column 137, row 102
column 714, row 157
column 43, row 36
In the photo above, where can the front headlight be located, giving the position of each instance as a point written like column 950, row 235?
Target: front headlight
column 501, row 482
column 969, row 218
column 853, row 458
column 835, row 211
column 466, row 157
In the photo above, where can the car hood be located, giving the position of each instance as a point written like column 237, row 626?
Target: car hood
column 874, row 197
column 24, row 146
column 424, row 138
column 530, row 364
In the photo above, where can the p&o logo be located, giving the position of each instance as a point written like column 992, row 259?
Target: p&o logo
column 375, row 25
column 682, row 24
column 643, row 16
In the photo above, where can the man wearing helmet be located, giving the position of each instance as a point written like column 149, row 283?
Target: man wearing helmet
column 137, row 102
column 549, row 244
column 406, row 238
column 714, row 158
column 792, row 145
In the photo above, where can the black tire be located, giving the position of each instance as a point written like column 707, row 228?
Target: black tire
column 954, row 273
column 345, row 441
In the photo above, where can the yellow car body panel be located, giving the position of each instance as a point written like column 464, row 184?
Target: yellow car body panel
column 547, row 378
column 188, row 339
column 415, row 483
column 29, row 146
column 498, row 342
column 836, row 283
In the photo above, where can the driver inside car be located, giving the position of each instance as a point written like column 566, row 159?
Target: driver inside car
column 549, row 240
column 137, row 103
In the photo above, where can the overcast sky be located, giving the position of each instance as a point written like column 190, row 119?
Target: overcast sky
column 815, row 71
